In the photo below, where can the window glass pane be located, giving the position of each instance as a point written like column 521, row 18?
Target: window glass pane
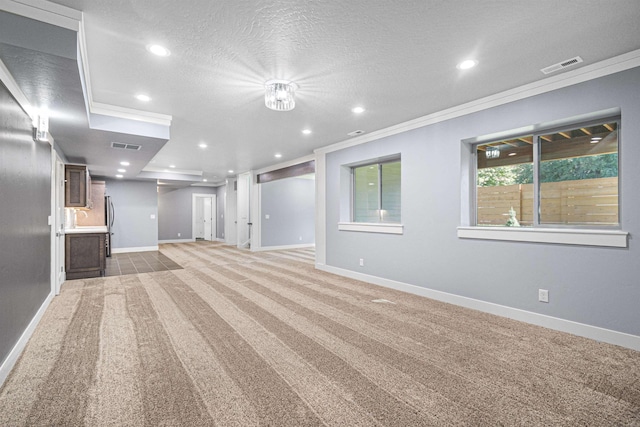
column 579, row 176
column 504, row 182
column 391, row 173
column 366, row 194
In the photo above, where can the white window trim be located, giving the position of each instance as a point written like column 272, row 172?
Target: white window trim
column 565, row 236
column 607, row 238
column 371, row 227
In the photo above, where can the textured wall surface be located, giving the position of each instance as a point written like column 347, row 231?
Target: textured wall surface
column 290, row 204
column 175, row 212
column 591, row 285
column 25, row 204
column 135, row 202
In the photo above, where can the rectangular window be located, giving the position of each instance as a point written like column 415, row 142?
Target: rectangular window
column 376, row 192
column 565, row 177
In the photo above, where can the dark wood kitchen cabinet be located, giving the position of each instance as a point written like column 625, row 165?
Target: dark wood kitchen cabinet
column 85, row 255
column 77, row 189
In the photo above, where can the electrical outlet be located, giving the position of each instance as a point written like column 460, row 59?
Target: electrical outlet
column 543, row 295
column 361, row 262
column 300, row 238
column 178, row 234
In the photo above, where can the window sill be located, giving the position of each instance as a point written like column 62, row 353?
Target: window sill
column 369, row 227
column 609, row 238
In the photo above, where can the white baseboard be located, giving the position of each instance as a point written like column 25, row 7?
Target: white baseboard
column 186, row 241
column 17, row 349
column 176, row 241
column 593, row 332
column 127, row 250
column 281, row 248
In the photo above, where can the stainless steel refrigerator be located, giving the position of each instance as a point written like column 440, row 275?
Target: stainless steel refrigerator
column 110, row 215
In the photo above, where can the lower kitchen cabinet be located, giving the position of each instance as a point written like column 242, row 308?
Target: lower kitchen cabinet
column 85, row 255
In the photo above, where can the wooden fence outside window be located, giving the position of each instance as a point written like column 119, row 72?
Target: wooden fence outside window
column 579, row 202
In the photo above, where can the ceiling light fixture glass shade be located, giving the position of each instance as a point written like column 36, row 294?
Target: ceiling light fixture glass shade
column 279, row 95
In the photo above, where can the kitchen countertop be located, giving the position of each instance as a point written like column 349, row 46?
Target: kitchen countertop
column 87, row 229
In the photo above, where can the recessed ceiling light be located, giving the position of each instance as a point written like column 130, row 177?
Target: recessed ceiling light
column 122, row 170
column 512, row 154
column 277, row 155
column 358, row 110
column 465, row 65
column 142, row 97
column 230, row 170
column 203, row 145
column 204, row 180
column 158, row 50
column 124, row 163
column 306, row 131
column 172, row 166
column 119, row 176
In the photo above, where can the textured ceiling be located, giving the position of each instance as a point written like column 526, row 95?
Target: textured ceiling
column 395, row 58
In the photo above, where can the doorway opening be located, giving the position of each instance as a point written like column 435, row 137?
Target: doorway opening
column 204, row 224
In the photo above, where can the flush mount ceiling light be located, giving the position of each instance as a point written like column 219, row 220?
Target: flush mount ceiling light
column 279, row 95
column 158, row 50
column 465, row 65
column 142, row 97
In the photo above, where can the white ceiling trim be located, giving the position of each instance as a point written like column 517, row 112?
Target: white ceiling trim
column 7, row 79
column 128, row 113
column 600, row 69
column 44, row 11
column 71, row 19
column 107, row 109
column 174, row 171
column 286, row 164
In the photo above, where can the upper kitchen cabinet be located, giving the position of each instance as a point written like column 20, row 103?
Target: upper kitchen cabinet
column 77, row 187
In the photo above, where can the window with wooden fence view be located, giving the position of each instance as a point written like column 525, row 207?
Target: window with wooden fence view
column 577, row 178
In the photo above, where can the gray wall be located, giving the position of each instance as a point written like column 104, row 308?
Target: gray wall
column 591, row 285
column 175, row 211
column 290, row 204
column 25, row 239
column 135, row 202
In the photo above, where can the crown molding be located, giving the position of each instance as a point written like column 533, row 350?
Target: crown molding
column 44, row 11
column 600, row 69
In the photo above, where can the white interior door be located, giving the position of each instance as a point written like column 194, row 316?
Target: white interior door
column 244, row 217
column 204, row 216
column 199, row 225
column 59, row 225
column 231, row 213
column 208, row 218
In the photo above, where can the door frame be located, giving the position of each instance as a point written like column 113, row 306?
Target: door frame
column 214, row 209
column 58, row 274
column 243, row 203
column 230, row 212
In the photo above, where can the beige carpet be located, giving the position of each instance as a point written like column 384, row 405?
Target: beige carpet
column 242, row 339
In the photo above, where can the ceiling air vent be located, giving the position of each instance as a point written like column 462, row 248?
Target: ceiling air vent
column 561, row 65
column 123, row 146
column 356, row 133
